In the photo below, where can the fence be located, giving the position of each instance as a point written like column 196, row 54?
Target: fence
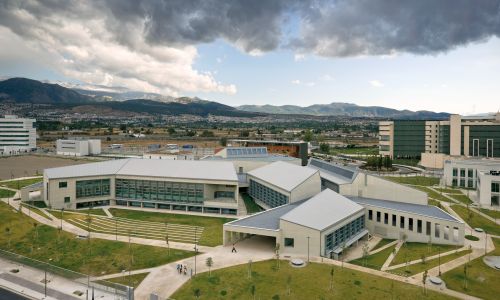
column 119, row 290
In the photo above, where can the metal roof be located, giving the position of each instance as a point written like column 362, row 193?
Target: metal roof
column 283, row 175
column 185, row 169
column 333, row 172
column 323, row 210
column 246, row 151
column 419, row 209
column 268, row 158
column 269, row 219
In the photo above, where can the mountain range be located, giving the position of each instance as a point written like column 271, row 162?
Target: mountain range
column 23, row 90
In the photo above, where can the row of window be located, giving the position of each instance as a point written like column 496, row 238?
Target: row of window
column 391, row 220
column 344, row 233
column 92, row 188
column 267, row 195
column 159, row 190
column 211, row 210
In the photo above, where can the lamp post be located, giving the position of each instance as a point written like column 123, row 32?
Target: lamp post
column 439, row 260
column 62, row 216
column 485, row 242
column 308, row 249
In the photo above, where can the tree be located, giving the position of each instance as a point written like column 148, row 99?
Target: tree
column 289, row 285
column 252, row 291
column 7, row 231
column 171, row 130
column 168, row 244
column 423, row 258
column 277, row 249
column 244, row 133
column 197, row 293
column 344, row 252
column 35, row 226
column 465, row 275
column 123, row 128
column 207, row 133
column 331, row 278
column 223, row 141
column 209, row 264
column 424, row 280
column 365, row 253
column 308, row 136
column 324, row 148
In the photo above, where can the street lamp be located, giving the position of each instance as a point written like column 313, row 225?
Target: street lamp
column 307, row 249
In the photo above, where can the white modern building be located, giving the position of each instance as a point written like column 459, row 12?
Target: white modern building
column 349, row 181
column 280, row 183
column 463, row 173
column 177, row 185
column 78, row 147
column 17, row 135
column 488, row 187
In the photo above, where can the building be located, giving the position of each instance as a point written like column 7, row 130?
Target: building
column 320, row 226
column 177, row 185
column 280, row 183
column 349, row 181
column 463, row 173
column 415, row 222
column 488, row 187
column 17, row 135
column 432, row 141
column 288, row 148
column 78, row 147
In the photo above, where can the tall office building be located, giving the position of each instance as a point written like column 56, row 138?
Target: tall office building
column 432, row 141
column 17, row 135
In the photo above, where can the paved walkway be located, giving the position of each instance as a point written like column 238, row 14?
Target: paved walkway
column 165, row 280
column 107, row 212
column 393, row 254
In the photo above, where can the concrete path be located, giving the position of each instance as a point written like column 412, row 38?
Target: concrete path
column 108, row 213
column 391, row 256
column 384, row 247
column 417, row 261
column 165, row 280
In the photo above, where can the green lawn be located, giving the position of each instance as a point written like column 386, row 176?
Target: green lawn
column 132, row 280
column 413, row 251
column 310, row 282
column 491, row 213
column 433, row 194
column 93, row 211
column 434, row 202
column 18, row 184
column 415, row 180
column 448, row 190
column 212, row 232
column 407, row 162
column 476, row 220
column 6, row 193
column 36, row 210
column 360, row 150
column 250, row 204
column 462, row 198
column 374, row 261
column 382, row 243
column 429, row 264
column 482, row 280
column 67, row 251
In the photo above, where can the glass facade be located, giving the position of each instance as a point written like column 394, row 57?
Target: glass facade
column 343, row 234
column 93, row 188
column 149, row 190
column 266, row 195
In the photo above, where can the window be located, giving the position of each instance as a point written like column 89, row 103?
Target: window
column 495, row 187
column 447, row 232
column 489, row 148
column 67, row 199
column 63, row 184
column 475, row 147
column 437, row 231
column 470, row 173
column 495, row 199
column 267, row 195
column 410, row 224
column 470, row 183
column 378, row 216
column 386, row 218
column 419, row 226
column 220, row 194
column 462, row 172
column 402, row 222
column 428, row 228
column 454, row 182
column 92, row 188
column 462, row 182
column 289, row 242
column 240, row 170
column 370, row 214
column 394, row 220
column 455, row 172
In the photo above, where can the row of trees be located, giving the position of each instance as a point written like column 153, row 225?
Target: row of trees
column 379, row 162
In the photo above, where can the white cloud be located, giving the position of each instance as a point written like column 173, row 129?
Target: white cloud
column 310, row 84
column 296, row 81
column 91, row 52
column 327, row 77
column 376, row 83
column 299, row 57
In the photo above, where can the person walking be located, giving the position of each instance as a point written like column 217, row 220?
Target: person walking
column 234, row 249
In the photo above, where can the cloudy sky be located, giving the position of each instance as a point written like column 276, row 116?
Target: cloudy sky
column 436, row 55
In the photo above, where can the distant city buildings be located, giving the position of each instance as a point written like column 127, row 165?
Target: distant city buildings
column 434, row 141
column 78, row 147
column 17, row 135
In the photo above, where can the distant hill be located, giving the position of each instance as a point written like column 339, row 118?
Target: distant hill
column 22, row 90
column 345, row 109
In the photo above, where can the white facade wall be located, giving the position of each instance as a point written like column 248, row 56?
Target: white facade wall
column 17, row 135
column 310, row 187
column 369, row 186
column 300, row 233
column 456, row 172
column 455, row 230
column 94, row 147
column 487, row 194
column 72, row 147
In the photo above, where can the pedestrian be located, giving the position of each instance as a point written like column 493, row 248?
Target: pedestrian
column 185, row 270
column 234, row 249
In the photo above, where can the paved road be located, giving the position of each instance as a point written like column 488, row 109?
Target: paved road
column 8, row 295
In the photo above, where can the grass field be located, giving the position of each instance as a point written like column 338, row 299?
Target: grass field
column 18, row 184
column 63, row 249
column 382, row 243
column 374, row 261
column 415, row 180
column 6, row 193
column 448, row 190
column 433, row 194
column 491, row 213
column 476, row 220
column 483, row 281
column 132, row 280
column 250, row 204
column 35, row 210
column 407, row 162
column 433, row 202
column 429, row 264
column 360, row 150
column 310, row 282
column 212, row 226
column 93, row 211
column 413, row 251
column 462, row 198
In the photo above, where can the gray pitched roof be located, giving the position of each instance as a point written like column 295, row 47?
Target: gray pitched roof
column 419, row 209
column 185, row 169
column 269, row 219
column 283, row 175
column 333, row 172
column 323, row 210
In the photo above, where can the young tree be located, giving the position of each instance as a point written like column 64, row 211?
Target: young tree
column 7, row 231
column 289, row 285
column 324, row 148
column 168, row 244
column 197, row 293
column 277, row 250
column 252, row 291
column 465, row 275
column 209, row 264
column 424, row 281
column 423, row 257
column 223, row 141
column 365, row 253
column 331, row 278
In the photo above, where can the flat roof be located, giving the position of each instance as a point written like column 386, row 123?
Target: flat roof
column 283, row 175
column 268, row 158
column 185, row 169
column 333, row 172
column 495, row 162
column 268, row 141
column 323, row 210
column 419, row 209
column 268, row 219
